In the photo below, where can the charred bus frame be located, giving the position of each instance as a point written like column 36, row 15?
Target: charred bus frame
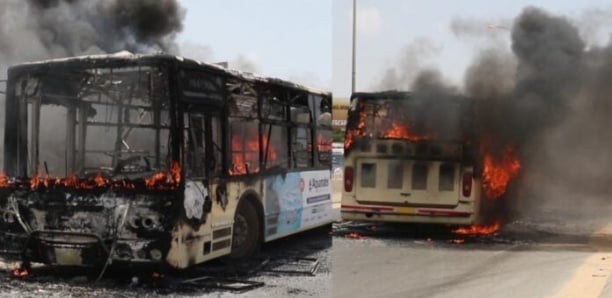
column 414, row 157
column 165, row 160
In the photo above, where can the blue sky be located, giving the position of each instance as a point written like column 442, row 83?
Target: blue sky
column 386, row 27
column 290, row 39
column 308, row 41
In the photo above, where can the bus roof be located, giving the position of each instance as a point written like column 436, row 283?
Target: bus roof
column 123, row 57
column 403, row 95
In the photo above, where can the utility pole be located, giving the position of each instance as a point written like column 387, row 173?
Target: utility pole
column 354, row 37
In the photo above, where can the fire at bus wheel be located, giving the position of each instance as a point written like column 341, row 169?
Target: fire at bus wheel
column 246, row 237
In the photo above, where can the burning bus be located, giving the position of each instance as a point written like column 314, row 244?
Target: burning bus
column 157, row 159
column 421, row 157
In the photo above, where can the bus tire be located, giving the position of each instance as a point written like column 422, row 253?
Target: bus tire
column 246, row 237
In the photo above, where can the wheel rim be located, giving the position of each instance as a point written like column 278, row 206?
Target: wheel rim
column 241, row 230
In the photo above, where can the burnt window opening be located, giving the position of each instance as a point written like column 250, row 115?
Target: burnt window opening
column 195, row 153
column 301, row 135
column 274, row 129
column 272, row 108
column 274, row 140
column 302, row 147
column 217, row 145
column 242, row 100
column 90, row 120
column 244, row 130
column 244, row 138
column 414, row 117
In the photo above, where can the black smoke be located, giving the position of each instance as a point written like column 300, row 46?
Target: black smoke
column 42, row 29
column 549, row 94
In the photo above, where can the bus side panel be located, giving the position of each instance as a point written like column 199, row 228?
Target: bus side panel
column 193, row 244
column 296, row 201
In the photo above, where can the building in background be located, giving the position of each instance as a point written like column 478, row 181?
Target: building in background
column 339, row 112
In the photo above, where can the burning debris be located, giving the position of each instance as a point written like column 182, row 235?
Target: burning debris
column 479, row 230
column 20, row 272
column 354, row 235
column 157, row 182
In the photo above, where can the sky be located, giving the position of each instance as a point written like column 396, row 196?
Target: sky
column 388, row 28
column 288, row 39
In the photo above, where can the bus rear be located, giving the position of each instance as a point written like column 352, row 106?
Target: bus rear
column 410, row 157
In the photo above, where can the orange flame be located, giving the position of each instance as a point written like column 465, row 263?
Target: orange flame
column 497, row 174
column 20, row 272
column 354, row 235
column 357, row 131
column 158, row 181
column 400, row 131
column 245, row 154
column 475, row 230
column 3, row 180
column 99, row 180
column 395, row 131
column 165, row 180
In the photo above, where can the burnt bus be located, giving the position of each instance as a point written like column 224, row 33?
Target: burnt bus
column 413, row 157
column 157, row 159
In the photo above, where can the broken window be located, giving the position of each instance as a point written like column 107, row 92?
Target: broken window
column 274, row 146
column 195, row 154
column 245, row 147
column 301, row 136
column 202, row 148
column 86, row 121
column 302, row 147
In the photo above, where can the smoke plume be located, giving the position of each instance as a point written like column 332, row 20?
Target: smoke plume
column 43, row 29
column 412, row 60
column 549, row 95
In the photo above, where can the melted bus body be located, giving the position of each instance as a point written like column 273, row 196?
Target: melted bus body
column 158, row 159
column 412, row 157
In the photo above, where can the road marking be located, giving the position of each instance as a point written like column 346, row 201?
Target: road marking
column 591, row 277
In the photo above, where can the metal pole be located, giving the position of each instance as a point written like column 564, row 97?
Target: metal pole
column 354, row 37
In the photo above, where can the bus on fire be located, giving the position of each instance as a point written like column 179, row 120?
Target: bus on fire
column 421, row 157
column 158, row 159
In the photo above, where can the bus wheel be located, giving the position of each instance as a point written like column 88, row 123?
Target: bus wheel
column 246, row 235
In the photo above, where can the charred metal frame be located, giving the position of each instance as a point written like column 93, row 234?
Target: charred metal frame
column 133, row 217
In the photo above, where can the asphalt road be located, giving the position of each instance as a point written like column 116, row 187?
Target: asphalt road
column 548, row 255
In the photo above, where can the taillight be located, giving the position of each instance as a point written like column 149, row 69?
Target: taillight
column 348, row 179
column 467, row 184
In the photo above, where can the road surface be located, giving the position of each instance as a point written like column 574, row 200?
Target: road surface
column 548, row 255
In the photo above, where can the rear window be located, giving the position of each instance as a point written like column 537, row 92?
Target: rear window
column 418, row 118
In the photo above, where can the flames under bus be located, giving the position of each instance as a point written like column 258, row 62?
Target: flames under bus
column 158, row 160
column 412, row 157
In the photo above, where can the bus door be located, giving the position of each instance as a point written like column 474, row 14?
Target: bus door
column 203, row 170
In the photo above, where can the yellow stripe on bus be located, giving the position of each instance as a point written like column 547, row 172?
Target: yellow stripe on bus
column 405, row 210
